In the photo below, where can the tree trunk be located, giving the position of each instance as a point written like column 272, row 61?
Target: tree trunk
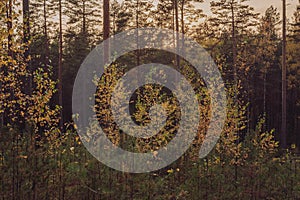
column 182, row 25
column 106, row 29
column 284, row 84
column 84, row 29
column 9, row 16
column 26, row 16
column 233, row 45
column 9, row 26
column 137, row 32
column 235, row 82
column 60, row 93
column 26, row 32
column 46, row 42
column 177, row 31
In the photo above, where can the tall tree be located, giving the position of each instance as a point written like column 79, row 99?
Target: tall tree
column 164, row 14
column 81, row 34
column 26, row 38
column 189, row 14
column 60, row 62
column 43, row 32
column 284, row 83
column 84, row 17
column 177, row 61
column 106, row 28
column 266, row 57
column 139, row 12
column 43, row 26
column 8, row 24
column 234, row 17
column 26, row 18
column 293, row 79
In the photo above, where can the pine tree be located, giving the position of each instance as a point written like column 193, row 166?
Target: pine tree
column 84, row 17
column 284, row 79
column 115, row 9
column 29, row 117
column 189, row 14
column 264, row 68
column 164, row 14
column 106, row 28
column 234, row 18
column 43, row 28
column 60, row 62
column 134, row 15
column 81, row 35
column 138, row 12
column 268, row 44
column 296, row 24
column 293, row 77
column 121, row 17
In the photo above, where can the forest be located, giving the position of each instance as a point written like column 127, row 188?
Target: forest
column 44, row 43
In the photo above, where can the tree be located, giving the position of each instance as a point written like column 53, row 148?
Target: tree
column 137, row 16
column 266, row 60
column 26, row 18
column 106, row 19
column 189, row 14
column 296, row 24
column 236, row 18
column 29, row 116
column 293, row 77
column 140, row 12
column 43, row 29
column 6, row 62
column 84, row 17
column 106, row 28
column 26, row 33
column 283, row 80
column 60, row 63
column 115, row 9
column 120, row 17
column 81, row 35
column 164, row 14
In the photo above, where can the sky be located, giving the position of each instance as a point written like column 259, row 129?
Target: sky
column 259, row 5
column 262, row 5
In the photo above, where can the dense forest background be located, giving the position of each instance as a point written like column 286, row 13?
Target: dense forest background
column 43, row 44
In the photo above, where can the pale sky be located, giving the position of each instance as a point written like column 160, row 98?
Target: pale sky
column 259, row 5
column 262, row 5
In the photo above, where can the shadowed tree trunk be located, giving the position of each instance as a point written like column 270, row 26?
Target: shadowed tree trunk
column 177, row 31
column 60, row 64
column 106, row 29
column 284, row 84
column 26, row 30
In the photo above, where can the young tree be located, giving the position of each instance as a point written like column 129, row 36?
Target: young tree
column 31, row 120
